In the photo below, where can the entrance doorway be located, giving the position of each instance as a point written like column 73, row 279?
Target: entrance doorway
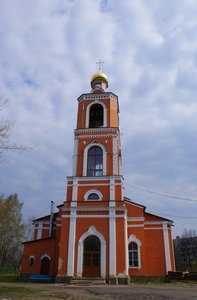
column 45, row 263
column 91, row 257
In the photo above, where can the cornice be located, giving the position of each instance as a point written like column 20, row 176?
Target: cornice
column 96, row 130
column 102, row 96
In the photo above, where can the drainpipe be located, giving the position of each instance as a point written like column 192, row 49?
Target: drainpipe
column 51, row 220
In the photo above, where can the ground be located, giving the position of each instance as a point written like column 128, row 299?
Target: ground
column 33, row 291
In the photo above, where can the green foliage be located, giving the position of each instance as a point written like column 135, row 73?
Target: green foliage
column 9, row 277
column 11, row 233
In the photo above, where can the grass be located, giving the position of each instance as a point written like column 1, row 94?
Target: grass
column 9, row 277
column 14, row 289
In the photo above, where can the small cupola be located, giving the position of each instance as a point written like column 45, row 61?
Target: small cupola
column 99, row 81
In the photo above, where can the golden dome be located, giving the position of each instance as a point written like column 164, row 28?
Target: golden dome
column 99, row 76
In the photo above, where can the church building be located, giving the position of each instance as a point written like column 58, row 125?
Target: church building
column 97, row 231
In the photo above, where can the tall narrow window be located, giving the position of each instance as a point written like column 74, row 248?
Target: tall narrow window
column 95, row 161
column 133, row 255
column 96, row 116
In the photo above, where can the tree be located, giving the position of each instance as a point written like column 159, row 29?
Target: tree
column 5, row 132
column 11, row 233
column 185, row 248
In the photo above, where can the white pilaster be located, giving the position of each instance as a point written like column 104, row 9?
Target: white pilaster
column 74, row 170
column 71, row 244
column 126, row 246
column 115, row 156
column 112, row 192
column 166, row 247
column 112, row 243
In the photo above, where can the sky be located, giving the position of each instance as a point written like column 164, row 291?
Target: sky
column 48, row 53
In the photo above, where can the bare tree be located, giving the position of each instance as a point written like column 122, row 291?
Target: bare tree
column 5, row 132
column 186, row 251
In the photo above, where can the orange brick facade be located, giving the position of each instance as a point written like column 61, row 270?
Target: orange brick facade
column 97, row 232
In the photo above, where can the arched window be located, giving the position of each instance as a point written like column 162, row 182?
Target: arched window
column 95, row 161
column 133, row 255
column 96, row 116
column 93, row 196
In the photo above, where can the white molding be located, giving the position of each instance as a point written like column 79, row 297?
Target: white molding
column 94, row 208
column 91, row 231
column 95, row 136
column 71, row 244
column 45, row 255
column 112, row 192
column 133, row 238
column 115, row 155
column 91, row 192
column 126, row 247
column 104, row 112
column 74, row 169
column 39, row 230
column 95, row 130
column 153, row 228
column 96, row 178
column 75, row 189
column 137, row 225
column 95, row 216
column 135, row 219
column 166, row 247
column 103, row 96
column 112, row 243
column 85, row 154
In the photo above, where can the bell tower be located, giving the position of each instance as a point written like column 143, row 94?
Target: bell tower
column 94, row 204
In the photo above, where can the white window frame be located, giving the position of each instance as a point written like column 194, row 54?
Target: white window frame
column 104, row 113
column 93, row 192
column 132, row 238
column 85, row 158
column 91, row 231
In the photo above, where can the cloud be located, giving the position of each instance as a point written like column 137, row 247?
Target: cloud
column 48, row 52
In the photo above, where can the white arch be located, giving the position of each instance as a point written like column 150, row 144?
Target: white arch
column 85, row 157
column 133, row 238
column 93, row 192
column 91, row 231
column 104, row 113
column 45, row 255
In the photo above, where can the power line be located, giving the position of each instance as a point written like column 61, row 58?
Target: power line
column 160, row 194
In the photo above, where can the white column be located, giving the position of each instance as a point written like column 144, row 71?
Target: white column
column 112, row 192
column 166, row 247
column 112, row 242
column 71, row 243
column 126, row 246
column 115, row 156
column 74, row 170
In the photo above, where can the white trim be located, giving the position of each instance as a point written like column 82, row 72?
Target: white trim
column 87, row 178
column 126, row 247
column 133, row 238
column 94, row 216
column 93, row 192
column 93, row 184
column 112, row 243
column 91, row 231
column 45, row 255
column 39, row 230
column 104, row 112
column 94, row 130
column 153, row 228
column 85, row 154
column 112, row 192
column 166, row 247
column 135, row 219
column 74, row 169
column 137, row 225
column 115, row 155
column 71, row 244
column 75, row 189
column 90, row 96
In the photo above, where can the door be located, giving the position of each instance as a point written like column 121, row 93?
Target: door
column 91, row 257
column 45, row 262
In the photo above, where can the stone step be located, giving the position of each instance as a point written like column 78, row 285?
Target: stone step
column 87, row 281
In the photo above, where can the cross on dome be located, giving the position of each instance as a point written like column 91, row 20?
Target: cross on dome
column 100, row 62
